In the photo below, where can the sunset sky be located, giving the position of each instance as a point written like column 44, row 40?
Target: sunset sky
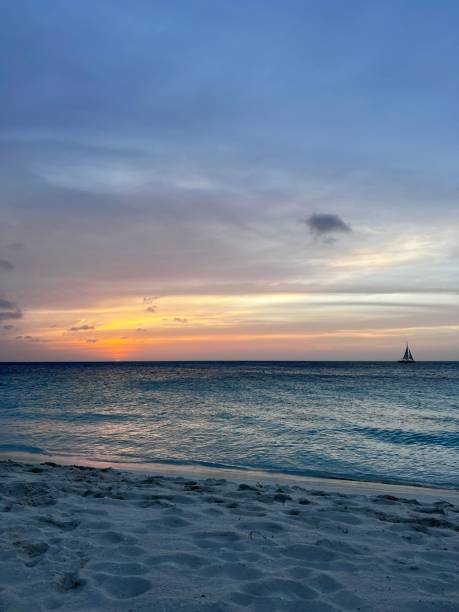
column 225, row 179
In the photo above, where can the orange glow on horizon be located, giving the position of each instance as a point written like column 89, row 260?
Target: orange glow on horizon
column 190, row 325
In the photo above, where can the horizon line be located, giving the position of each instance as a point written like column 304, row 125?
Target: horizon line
column 112, row 361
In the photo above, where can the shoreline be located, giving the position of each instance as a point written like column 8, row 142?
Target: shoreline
column 243, row 475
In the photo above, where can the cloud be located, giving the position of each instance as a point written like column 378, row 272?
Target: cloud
column 151, row 309
column 8, row 327
column 326, row 223
column 77, row 328
column 30, row 338
column 141, row 329
column 5, row 264
column 180, row 320
column 9, row 310
column 91, row 340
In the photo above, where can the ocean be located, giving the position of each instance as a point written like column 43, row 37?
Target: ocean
column 366, row 421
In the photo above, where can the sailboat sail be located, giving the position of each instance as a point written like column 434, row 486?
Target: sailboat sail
column 407, row 357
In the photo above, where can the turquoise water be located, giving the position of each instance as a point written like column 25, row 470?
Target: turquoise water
column 376, row 421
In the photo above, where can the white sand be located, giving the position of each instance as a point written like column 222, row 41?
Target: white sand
column 89, row 539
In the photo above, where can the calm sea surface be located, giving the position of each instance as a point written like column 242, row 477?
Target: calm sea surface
column 377, row 421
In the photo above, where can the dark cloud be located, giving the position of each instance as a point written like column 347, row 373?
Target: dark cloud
column 77, row 328
column 91, row 340
column 30, row 339
column 5, row 264
column 9, row 310
column 151, row 309
column 8, row 327
column 180, row 320
column 326, row 223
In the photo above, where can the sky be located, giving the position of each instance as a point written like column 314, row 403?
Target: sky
column 204, row 179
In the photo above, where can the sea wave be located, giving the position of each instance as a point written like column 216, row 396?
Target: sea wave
column 448, row 439
column 22, row 448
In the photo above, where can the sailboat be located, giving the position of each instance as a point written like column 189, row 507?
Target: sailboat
column 407, row 357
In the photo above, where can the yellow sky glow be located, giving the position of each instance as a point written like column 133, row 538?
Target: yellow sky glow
column 127, row 330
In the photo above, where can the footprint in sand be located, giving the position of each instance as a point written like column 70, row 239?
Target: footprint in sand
column 174, row 521
column 99, row 525
column 92, row 511
column 239, row 571
column 212, row 511
column 229, row 556
column 263, row 604
column 69, row 581
column 251, row 557
column 63, row 525
column 31, row 549
column 184, row 500
column 430, row 605
column 180, row 558
column 270, row 526
column 325, row 583
column 113, row 537
column 348, row 601
column 438, row 587
column 300, row 572
column 340, row 546
column 308, row 553
column 241, row 599
column 283, row 587
column 219, row 539
column 124, row 587
column 119, row 569
column 131, row 551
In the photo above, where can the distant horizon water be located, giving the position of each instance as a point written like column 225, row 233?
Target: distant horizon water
column 377, row 421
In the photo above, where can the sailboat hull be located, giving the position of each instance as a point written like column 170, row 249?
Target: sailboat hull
column 406, row 361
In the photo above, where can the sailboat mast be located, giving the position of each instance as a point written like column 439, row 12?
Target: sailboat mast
column 407, row 357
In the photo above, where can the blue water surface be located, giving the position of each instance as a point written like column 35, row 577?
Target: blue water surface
column 371, row 421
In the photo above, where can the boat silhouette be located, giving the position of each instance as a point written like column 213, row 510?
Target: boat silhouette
column 407, row 357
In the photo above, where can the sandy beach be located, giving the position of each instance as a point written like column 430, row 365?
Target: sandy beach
column 82, row 538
